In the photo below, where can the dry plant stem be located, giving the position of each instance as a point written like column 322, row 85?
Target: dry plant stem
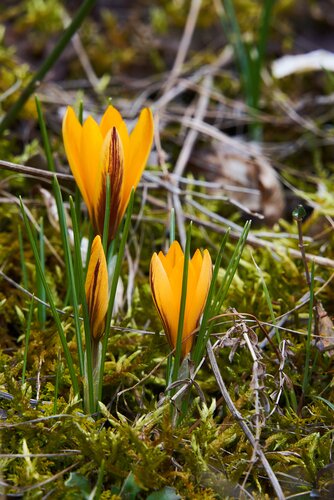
column 281, row 377
column 184, row 44
column 191, row 82
column 238, row 417
column 258, row 413
column 36, row 172
column 43, row 483
column 186, row 152
column 82, row 56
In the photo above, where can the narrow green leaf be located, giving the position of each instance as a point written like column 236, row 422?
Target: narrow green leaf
column 41, row 310
column 23, row 261
column 55, row 314
column 26, row 340
column 47, row 63
column 45, row 137
column 231, row 269
column 69, row 270
column 171, row 226
column 204, row 331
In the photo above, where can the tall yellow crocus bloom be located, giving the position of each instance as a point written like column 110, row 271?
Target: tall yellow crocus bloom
column 166, row 273
column 96, row 151
column 96, row 288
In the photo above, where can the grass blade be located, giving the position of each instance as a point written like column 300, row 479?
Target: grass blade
column 26, row 340
column 45, row 137
column 22, row 260
column 41, row 311
column 204, row 331
column 47, row 64
column 231, row 269
column 55, row 314
column 69, row 270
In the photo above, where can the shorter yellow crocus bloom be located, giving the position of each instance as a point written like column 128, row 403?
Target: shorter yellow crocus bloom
column 96, row 151
column 166, row 273
column 96, row 288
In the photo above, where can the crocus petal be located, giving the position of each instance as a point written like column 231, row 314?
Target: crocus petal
column 140, row 145
column 111, row 165
column 86, row 144
column 112, row 118
column 173, row 254
column 203, row 283
column 163, row 296
column 96, row 288
column 166, row 275
column 199, row 279
column 90, row 147
column 72, row 140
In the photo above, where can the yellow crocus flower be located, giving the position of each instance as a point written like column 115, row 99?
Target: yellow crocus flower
column 95, row 151
column 166, row 273
column 96, row 288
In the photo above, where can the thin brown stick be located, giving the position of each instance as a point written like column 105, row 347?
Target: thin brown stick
column 36, row 172
column 238, row 417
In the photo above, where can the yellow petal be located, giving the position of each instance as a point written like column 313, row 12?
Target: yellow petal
column 96, row 288
column 163, row 298
column 90, row 150
column 174, row 253
column 190, row 319
column 72, row 131
column 203, row 281
column 111, row 118
column 111, row 165
column 140, row 145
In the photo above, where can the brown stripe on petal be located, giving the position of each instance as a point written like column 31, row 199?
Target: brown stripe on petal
column 114, row 169
column 93, row 302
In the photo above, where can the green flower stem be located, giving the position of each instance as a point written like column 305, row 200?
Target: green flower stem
column 178, row 350
column 47, row 64
column 82, row 299
column 113, row 289
column 306, row 378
